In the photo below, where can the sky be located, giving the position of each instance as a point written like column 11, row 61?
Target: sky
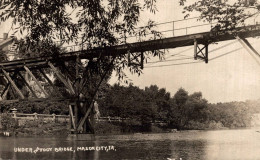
column 233, row 77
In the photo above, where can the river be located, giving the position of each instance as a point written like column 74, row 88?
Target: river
column 208, row 145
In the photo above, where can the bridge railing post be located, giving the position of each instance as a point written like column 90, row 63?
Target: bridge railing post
column 35, row 115
column 53, row 117
column 173, row 28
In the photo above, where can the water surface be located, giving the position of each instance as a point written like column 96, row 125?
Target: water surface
column 208, row 145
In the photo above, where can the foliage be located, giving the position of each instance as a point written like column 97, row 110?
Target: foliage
column 45, row 26
column 228, row 14
column 42, row 128
column 132, row 102
column 8, row 123
column 231, row 115
column 187, row 108
column 182, row 111
column 90, row 24
column 59, row 108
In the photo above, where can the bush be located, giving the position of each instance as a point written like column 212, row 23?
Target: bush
column 8, row 123
column 43, row 128
column 215, row 125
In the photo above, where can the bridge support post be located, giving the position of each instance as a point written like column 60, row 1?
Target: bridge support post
column 13, row 84
column 137, row 60
column 72, row 120
column 201, row 52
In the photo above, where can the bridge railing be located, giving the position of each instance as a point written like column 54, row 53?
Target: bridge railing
column 57, row 118
column 165, row 30
column 34, row 116
column 168, row 29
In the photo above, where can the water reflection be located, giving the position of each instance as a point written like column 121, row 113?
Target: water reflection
column 233, row 144
column 188, row 149
column 229, row 144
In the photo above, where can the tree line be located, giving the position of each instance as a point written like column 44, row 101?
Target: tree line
column 181, row 111
column 144, row 106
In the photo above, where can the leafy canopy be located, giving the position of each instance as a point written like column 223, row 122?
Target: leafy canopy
column 98, row 22
column 227, row 13
column 88, row 23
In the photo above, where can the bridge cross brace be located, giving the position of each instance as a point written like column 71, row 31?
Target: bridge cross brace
column 201, row 52
column 137, row 59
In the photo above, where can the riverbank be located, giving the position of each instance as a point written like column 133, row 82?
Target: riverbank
column 43, row 128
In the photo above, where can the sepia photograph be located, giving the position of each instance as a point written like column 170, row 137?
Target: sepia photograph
column 130, row 79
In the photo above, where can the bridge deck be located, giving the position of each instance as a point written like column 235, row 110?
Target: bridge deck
column 164, row 43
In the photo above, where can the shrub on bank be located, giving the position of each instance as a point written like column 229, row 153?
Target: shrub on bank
column 43, row 128
column 125, row 127
column 8, row 123
column 34, row 127
column 205, row 125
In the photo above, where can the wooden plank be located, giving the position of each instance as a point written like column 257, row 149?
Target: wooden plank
column 206, row 53
column 13, row 84
column 36, row 100
column 72, row 117
column 76, row 109
column 6, row 42
column 142, row 60
column 82, row 121
column 37, row 82
column 5, row 93
column 48, row 79
column 30, row 88
column 5, row 89
column 19, row 66
column 61, row 78
column 77, row 76
column 195, row 49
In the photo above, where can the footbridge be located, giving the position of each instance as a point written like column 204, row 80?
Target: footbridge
column 15, row 70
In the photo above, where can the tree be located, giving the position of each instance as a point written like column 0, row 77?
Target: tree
column 196, row 107
column 186, row 109
column 88, row 23
column 228, row 14
column 177, row 114
column 160, row 98
column 181, row 96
